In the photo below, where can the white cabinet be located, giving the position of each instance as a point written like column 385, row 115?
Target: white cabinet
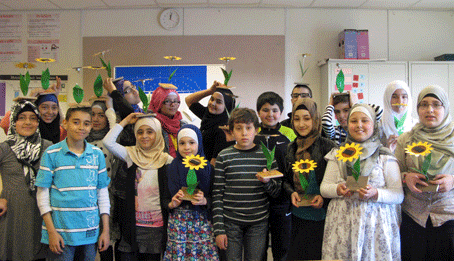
column 422, row 74
column 368, row 78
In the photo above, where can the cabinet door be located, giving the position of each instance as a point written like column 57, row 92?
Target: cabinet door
column 423, row 74
column 380, row 75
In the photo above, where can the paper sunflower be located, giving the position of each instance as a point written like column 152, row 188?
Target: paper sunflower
column 419, row 149
column 195, row 162
column 227, row 58
column 172, row 58
column 45, row 60
column 349, row 152
column 304, row 166
column 25, row 65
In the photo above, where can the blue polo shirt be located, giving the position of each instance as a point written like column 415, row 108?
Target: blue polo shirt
column 73, row 181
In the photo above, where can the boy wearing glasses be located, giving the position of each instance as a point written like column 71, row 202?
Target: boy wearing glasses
column 299, row 91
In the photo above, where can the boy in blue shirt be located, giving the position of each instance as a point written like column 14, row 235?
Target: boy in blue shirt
column 72, row 192
column 275, row 135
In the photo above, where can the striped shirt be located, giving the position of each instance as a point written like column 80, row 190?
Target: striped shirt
column 337, row 133
column 73, row 181
column 238, row 196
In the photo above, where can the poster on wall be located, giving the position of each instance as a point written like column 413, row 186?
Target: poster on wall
column 10, row 50
column 10, row 37
column 42, row 49
column 2, row 98
column 43, row 26
column 353, row 82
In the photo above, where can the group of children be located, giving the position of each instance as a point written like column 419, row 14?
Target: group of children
column 233, row 210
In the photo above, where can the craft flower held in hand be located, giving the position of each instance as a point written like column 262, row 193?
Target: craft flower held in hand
column 419, row 149
column 25, row 65
column 304, row 166
column 349, row 152
column 195, row 162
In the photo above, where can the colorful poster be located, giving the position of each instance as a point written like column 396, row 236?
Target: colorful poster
column 353, row 82
column 43, row 49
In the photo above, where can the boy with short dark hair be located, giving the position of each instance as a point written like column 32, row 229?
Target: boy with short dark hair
column 72, row 192
column 240, row 196
column 274, row 135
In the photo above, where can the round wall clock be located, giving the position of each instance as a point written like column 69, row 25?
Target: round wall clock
column 170, row 19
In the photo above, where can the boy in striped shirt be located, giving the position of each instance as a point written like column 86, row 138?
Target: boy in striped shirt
column 72, row 192
column 240, row 196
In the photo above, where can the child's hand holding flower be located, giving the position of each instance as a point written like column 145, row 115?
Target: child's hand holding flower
column 199, row 199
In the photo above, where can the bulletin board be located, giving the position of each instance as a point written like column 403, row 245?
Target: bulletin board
column 354, row 82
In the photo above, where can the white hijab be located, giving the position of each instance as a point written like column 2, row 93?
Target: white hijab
column 389, row 127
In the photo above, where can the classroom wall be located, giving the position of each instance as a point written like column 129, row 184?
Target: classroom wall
column 392, row 36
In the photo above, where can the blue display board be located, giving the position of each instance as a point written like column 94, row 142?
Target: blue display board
column 188, row 78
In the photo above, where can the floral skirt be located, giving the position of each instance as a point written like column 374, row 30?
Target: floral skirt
column 189, row 236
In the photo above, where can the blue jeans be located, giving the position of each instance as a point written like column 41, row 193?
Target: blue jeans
column 84, row 252
column 252, row 237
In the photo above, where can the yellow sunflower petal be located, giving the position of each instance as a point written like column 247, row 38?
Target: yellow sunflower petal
column 303, row 166
column 349, row 152
column 419, row 149
column 45, row 60
column 195, row 162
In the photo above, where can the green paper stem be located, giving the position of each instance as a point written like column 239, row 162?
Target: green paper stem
column 303, row 72
column 107, row 66
column 227, row 75
column 356, row 169
column 98, row 86
column 45, row 77
column 303, row 181
column 191, row 180
column 24, row 83
column 340, row 81
column 425, row 166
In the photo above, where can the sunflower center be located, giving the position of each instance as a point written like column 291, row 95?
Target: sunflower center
column 348, row 152
column 418, row 149
column 304, row 166
column 194, row 162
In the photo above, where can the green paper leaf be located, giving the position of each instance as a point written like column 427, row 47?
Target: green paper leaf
column 269, row 155
column 78, row 94
column 45, row 77
column 303, row 72
column 24, row 83
column 312, row 188
column 107, row 66
column 171, row 75
column 356, row 169
column 340, row 81
column 303, row 181
column 144, row 99
column 98, row 86
column 191, row 180
column 426, row 163
column 227, row 75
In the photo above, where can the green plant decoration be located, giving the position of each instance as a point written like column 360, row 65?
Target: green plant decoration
column 24, row 83
column 303, row 71
column 227, row 76
column 356, row 171
column 191, row 181
column 268, row 154
column 172, row 74
column 78, row 93
column 303, row 181
column 107, row 66
column 425, row 166
column 97, row 87
column 340, row 81
column 144, row 99
column 45, row 78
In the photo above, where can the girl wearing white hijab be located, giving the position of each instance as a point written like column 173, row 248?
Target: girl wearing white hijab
column 142, row 211
column 397, row 117
column 428, row 218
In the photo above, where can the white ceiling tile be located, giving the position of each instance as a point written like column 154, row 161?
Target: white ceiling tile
column 389, row 4
column 85, row 4
column 29, row 4
column 182, row 3
column 338, row 4
column 130, row 3
column 286, row 3
column 237, row 3
column 438, row 4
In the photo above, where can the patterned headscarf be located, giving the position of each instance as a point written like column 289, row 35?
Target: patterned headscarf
column 26, row 149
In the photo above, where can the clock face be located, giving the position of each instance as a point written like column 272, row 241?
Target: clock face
column 169, row 19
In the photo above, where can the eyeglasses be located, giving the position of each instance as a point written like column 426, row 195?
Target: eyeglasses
column 302, row 95
column 435, row 105
column 130, row 89
column 170, row 102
